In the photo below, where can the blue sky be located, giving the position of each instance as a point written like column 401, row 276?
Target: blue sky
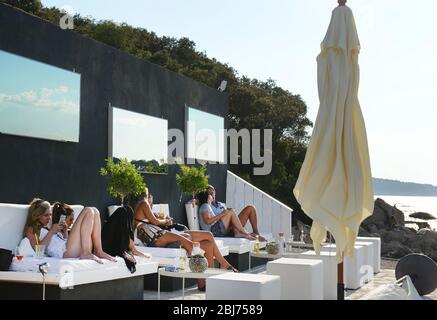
column 280, row 39
column 38, row 100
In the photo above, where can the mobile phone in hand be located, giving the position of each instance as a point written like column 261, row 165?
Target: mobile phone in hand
column 62, row 219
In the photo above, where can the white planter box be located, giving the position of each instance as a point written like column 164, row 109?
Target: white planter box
column 192, row 216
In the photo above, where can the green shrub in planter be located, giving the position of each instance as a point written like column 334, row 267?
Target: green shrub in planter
column 192, row 180
column 124, row 179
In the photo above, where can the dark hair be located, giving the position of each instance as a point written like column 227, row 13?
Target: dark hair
column 202, row 197
column 59, row 209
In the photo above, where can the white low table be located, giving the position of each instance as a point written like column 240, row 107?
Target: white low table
column 329, row 271
column 357, row 270
column 187, row 274
column 243, row 286
column 301, row 279
column 367, row 268
column 376, row 251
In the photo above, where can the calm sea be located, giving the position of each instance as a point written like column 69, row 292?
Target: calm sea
column 413, row 204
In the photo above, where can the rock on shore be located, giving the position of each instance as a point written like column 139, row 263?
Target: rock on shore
column 388, row 223
column 397, row 240
column 422, row 216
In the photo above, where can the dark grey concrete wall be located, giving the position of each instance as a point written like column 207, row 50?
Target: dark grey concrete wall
column 69, row 171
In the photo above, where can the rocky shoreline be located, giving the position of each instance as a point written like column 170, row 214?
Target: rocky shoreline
column 398, row 237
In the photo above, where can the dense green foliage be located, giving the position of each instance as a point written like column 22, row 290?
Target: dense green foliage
column 124, row 179
column 192, row 180
column 253, row 103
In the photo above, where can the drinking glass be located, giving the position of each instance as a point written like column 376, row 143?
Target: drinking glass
column 18, row 254
column 40, row 250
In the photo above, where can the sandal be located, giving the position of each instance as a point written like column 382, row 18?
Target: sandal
column 130, row 261
column 230, row 267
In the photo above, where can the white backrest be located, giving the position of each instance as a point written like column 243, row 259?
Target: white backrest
column 156, row 208
column 12, row 220
column 111, row 209
column 273, row 216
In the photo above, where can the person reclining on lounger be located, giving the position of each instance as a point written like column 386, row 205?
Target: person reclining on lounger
column 224, row 224
column 82, row 242
column 152, row 232
column 247, row 214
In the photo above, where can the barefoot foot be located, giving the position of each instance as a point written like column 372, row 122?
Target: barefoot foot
column 90, row 256
column 104, row 255
column 261, row 238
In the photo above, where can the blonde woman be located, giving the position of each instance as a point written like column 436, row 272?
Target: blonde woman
column 83, row 242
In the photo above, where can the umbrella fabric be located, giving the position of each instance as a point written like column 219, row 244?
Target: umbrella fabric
column 334, row 186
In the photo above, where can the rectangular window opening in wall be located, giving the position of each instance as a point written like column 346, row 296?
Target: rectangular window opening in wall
column 140, row 138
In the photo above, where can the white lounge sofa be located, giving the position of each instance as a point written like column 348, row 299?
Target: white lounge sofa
column 236, row 245
column 66, row 278
column 166, row 256
column 239, row 248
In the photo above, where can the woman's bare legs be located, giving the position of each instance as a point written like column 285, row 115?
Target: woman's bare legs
column 96, row 237
column 85, row 232
column 207, row 237
column 169, row 238
column 249, row 213
column 136, row 252
column 74, row 247
column 79, row 244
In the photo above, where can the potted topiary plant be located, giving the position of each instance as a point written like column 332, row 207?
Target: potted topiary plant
column 124, row 179
column 192, row 180
column 197, row 262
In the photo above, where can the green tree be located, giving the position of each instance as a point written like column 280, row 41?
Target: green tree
column 192, row 180
column 31, row 6
column 253, row 104
column 124, row 179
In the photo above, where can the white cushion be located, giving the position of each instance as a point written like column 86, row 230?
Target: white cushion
column 57, row 266
column 156, row 208
column 111, row 209
column 161, row 252
column 239, row 245
column 71, row 272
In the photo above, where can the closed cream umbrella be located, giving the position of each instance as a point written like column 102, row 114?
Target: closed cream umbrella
column 334, row 186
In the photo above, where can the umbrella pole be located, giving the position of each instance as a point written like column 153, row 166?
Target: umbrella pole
column 340, row 282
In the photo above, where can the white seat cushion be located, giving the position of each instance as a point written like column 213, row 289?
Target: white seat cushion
column 239, row 245
column 57, row 266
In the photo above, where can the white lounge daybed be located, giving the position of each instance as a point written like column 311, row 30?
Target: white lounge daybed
column 66, row 278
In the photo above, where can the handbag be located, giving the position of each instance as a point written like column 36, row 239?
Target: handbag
column 5, row 259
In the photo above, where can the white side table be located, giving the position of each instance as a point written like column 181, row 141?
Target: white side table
column 301, row 279
column 187, row 274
